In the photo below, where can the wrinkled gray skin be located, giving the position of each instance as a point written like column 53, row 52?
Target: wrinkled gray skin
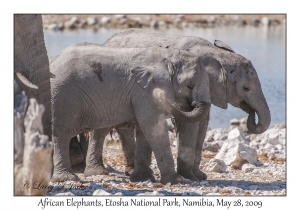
column 31, row 60
column 98, row 88
column 232, row 79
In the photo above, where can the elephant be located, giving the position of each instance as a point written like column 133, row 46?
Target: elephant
column 232, row 79
column 31, row 65
column 98, row 87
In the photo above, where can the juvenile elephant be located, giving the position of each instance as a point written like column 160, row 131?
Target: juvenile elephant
column 232, row 79
column 98, row 87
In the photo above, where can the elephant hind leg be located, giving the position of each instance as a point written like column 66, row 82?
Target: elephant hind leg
column 76, row 155
column 126, row 133
column 94, row 162
column 142, row 171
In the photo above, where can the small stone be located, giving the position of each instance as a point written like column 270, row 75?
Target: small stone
column 105, row 20
column 53, row 26
column 265, row 21
column 248, row 168
column 71, row 24
column 118, row 193
column 101, row 192
column 234, row 122
column 92, row 21
column 216, row 165
column 154, row 24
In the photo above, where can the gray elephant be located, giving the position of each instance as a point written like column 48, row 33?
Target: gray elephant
column 98, row 87
column 31, row 65
column 232, row 79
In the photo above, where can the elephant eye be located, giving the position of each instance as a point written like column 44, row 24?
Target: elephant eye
column 190, row 86
column 246, row 88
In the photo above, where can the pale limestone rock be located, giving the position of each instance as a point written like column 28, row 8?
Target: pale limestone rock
column 216, row 165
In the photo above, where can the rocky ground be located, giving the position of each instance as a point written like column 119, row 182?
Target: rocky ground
column 62, row 22
column 236, row 162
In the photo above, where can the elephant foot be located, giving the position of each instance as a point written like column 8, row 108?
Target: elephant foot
column 96, row 170
column 173, row 178
column 79, row 168
column 64, row 176
column 199, row 174
column 129, row 170
column 188, row 175
column 142, row 176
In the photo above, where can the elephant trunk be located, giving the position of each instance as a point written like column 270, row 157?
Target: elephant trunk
column 200, row 111
column 264, row 118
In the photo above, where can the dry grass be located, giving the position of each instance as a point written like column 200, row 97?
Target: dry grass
column 265, row 158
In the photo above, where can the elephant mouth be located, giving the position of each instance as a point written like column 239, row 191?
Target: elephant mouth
column 245, row 107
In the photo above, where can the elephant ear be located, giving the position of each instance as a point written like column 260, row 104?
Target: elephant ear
column 223, row 46
column 156, row 79
column 217, row 81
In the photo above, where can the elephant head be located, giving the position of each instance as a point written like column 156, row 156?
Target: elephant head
column 234, row 80
column 31, row 63
column 177, row 79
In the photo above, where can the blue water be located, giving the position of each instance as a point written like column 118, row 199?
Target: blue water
column 264, row 46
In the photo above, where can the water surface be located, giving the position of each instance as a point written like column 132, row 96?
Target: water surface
column 264, row 46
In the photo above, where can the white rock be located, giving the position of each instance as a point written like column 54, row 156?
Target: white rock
column 105, row 20
column 101, row 192
column 265, row 21
column 237, row 134
column 234, row 151
column 216, row 165
column 273, row 137
column 234, row 122
column 53, row 26
column 71, row 23
column 247, row 168
column 118, row 193
column 92, row 21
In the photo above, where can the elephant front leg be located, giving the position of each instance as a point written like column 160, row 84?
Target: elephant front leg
column 152, row 122
column 126, row 134
column 94, row 162
column 62, row 166
column 142, row 171
column 187, row 137
column 198, row 149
